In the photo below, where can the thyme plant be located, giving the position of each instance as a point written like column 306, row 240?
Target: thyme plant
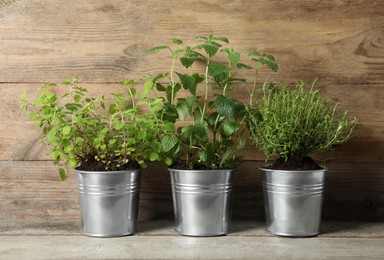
column 84, row 132
column 291, row 122
column 209, row 126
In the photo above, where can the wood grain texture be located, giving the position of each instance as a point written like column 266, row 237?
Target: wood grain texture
column 336, row 41
column 339, row 42
column 31, row 191
column 159, row 240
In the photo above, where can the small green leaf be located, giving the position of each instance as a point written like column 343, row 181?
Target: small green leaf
column 177, row 41
column 62, row 174
column 153, row 49
column 66, row 130
column 153, row 156
column 147, row 87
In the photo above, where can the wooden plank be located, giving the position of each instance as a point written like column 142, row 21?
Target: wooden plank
column 365, row 102
column 32, row 192
column 329, row 229
column 179, row 247
column 104, row 41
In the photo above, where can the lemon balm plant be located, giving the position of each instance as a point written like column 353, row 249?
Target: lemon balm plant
column 288, row 123
column 83, row 132
column 107, row 140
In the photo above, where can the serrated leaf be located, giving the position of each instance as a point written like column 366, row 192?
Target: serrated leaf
column 234, row 57
column 187, row 61
column 187, row 81
column 168, row 142
column 211, row 48
column 224, row 105
column 228, row 128
column 156, row 48
column 182, row 109
column 218, row 71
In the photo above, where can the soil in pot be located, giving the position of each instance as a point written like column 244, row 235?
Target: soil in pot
column 295, row 163
column 94, row 165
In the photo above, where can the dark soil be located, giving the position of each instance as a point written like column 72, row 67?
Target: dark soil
column 93, row 165
column 295, row 163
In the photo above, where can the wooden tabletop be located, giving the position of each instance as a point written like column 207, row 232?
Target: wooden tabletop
column 158, row 240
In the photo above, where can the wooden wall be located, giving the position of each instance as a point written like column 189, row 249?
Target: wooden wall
column 339, row 42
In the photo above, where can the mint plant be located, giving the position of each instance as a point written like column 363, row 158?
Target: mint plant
column 291, row 122
column 208, row 127
column 86, row 133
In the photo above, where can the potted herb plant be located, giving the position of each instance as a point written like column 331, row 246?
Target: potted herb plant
column 107, row 144
column 208, row 131
column 289, row 123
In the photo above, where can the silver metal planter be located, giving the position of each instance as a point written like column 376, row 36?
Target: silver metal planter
column 293, row 201
column 109, row 202
column 202, row 201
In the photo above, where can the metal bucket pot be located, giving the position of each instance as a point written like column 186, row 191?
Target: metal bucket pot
column 109, row 202
column 202, row 201
column 293, row 201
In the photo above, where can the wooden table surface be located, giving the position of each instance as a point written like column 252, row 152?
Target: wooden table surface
column 158, row 240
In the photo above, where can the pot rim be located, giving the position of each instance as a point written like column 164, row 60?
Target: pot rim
column 201, row 171
column 288, row 171
column 106, row 172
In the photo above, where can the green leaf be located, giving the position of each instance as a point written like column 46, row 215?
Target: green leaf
column 234, row 57
column 160, row 87
column 118, row 126
column 62, row 174
column 218, row 71
column 182, row 109
column 66, row 130
column 147, row 87
column 228, row 128
column 211, row 48
column 240, row 143
column 168, row 142
column 224, row 105
column 177, row 41
column 153, row 156
column 187, row 81
column 223, row 39
column 243, row 66
column 153, row 49
column 187, row 61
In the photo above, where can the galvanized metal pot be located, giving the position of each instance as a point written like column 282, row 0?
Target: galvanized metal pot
column 202, row 201
column 293, row 201
column 109, row 202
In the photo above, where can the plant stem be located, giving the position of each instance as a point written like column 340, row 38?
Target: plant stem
column 254, row 85
column 206, row 91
